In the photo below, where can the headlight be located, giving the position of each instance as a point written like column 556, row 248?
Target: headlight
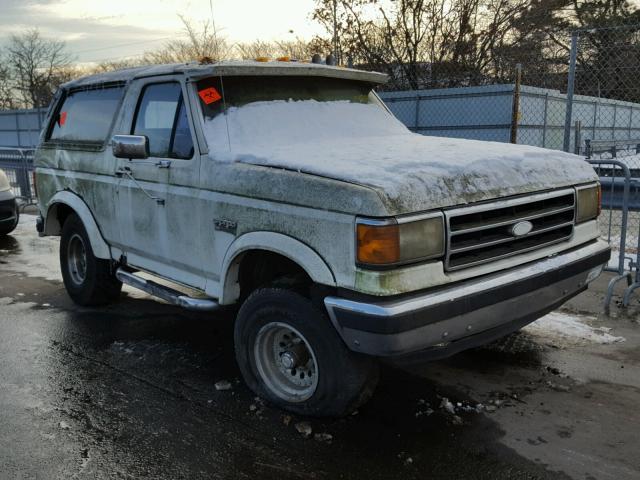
column 4, row 182
column 394, row 241
column 588, row 201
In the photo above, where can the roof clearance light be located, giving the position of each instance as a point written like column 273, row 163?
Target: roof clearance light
column 284, row 59
column 262, row 59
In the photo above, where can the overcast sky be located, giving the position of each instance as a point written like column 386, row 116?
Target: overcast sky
column 110, row 29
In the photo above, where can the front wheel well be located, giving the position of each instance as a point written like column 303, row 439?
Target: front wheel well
column 258, row 268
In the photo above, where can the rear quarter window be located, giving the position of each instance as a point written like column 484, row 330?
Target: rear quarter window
column 85, row 116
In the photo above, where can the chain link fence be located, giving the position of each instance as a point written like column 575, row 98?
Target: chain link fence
column 17, row 164
column 605, row 63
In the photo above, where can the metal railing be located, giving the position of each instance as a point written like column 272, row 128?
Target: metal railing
column 619, row 188
column 17, row 163
column 612, row 147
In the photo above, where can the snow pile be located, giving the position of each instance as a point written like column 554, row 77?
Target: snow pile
column 363, row 144
column 570, row 329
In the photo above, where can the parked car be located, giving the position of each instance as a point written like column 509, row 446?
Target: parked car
column 289, row 189
column 9, row 212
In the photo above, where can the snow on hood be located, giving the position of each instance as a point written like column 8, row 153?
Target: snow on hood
column 363, row 144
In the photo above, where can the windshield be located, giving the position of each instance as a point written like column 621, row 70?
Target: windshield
column 239, row 91
column 277, row 110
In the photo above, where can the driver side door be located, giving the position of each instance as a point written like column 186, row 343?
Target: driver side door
column 156, row 194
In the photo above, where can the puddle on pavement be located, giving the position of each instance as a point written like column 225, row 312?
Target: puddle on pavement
column 156, row 373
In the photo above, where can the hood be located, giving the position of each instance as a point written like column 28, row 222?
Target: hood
column 411, row 172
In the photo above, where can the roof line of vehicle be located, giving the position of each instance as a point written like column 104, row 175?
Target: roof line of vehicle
column 195, row 71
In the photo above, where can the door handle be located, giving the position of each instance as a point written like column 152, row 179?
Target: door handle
column 120, row 171
column 126, row 171
column 163, row 163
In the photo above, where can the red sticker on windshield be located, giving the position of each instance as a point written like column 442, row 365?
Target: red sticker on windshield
column 62, row 119
column 209, row 95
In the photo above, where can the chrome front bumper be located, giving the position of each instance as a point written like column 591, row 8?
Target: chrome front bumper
column 440, row 322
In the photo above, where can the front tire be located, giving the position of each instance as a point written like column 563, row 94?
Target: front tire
column 88, row 280
column 291, row 355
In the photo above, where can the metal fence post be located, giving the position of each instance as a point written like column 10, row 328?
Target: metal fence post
column 17, row 122
column 544, row 120
column 515, row 112
column 577, row 137
column 25, row 181
column 595, row 119
column 570, row 88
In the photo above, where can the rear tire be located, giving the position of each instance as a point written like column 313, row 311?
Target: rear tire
column 290, row 354
column 88, row 280
column 4, row 230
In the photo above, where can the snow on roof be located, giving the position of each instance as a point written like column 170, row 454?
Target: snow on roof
column 245, row 67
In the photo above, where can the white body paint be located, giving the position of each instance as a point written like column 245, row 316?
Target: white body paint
column 297, row 199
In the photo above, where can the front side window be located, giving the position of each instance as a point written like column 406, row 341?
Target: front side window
column 162, row 118
column 85, row 116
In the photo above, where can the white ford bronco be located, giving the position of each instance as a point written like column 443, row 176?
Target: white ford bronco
column 289, row 189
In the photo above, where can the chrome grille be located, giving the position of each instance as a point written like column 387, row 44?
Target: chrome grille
column 483, row 233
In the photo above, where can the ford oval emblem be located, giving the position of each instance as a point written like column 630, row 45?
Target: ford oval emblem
column 521, row 228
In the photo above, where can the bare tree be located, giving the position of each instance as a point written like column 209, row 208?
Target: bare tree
column 110, row 65
column 256, row 49
column 423, row 43
column 202, row 42
column 6, row 94
column 299, row 49
column 37, row 67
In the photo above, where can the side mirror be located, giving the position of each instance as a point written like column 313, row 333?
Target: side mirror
column 130, row 146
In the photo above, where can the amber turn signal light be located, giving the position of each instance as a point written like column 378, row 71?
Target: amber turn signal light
column 378, row 244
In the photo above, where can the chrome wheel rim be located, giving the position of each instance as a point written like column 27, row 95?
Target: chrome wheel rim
column 77, row 259
column 286, row 362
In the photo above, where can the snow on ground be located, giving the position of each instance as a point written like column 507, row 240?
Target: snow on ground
column 36, row 257
column 561, row 328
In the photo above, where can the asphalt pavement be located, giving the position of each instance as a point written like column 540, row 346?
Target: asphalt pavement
column 129, row 391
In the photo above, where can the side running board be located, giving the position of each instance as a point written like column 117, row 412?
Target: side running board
column 167, row 294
